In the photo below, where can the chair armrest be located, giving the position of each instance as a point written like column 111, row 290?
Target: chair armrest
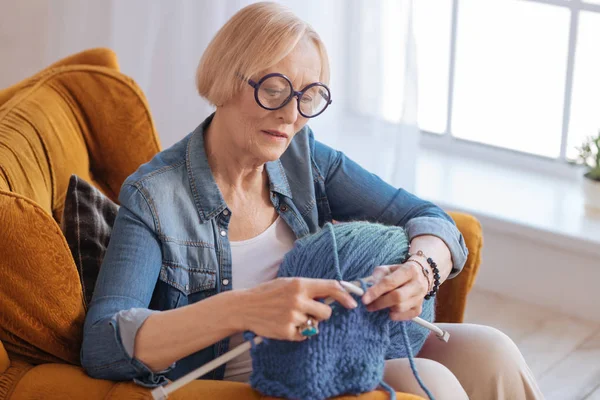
column 452, row 297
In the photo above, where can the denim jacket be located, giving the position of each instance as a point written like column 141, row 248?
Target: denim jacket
column 169, row 246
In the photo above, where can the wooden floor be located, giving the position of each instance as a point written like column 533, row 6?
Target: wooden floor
column 563, row 352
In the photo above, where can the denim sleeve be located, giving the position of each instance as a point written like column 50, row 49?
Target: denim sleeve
column 356, row 194
column 122, row 295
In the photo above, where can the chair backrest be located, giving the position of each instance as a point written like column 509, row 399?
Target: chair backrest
column 79, row 116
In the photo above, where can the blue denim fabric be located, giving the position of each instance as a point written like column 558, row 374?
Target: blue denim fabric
column 170, row 247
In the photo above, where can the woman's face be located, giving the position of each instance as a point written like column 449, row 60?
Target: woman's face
column 249, row 124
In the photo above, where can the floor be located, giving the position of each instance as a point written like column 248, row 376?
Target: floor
column 563, row 352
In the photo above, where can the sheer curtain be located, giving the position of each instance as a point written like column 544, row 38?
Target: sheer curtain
column 159, row 43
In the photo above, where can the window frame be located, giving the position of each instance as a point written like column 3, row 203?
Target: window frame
column 446, row 141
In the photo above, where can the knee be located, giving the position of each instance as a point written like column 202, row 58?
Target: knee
column 435, row 373
column 436, row 377
column 494, row 347
column 439, row 380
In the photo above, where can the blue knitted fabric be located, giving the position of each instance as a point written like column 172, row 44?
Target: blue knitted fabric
column 348, row 354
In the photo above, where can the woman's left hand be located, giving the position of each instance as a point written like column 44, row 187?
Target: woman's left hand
column 401, row 287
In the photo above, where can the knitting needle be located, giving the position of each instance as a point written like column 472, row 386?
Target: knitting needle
column 162, row 392
column 353, row 287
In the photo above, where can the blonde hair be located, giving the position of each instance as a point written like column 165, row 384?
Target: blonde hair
column 254, row 39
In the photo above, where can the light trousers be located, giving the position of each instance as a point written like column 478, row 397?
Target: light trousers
column 478, row 362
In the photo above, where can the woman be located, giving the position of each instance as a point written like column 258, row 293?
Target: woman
column 204, row 226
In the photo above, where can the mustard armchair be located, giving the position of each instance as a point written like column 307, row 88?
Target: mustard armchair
column 82, row 116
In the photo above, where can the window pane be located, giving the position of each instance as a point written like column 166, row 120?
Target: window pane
column 585, row 101
column 432, row 24
column 510, row 74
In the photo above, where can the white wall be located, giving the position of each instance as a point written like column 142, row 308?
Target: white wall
column 554, row 275
column 158, row 44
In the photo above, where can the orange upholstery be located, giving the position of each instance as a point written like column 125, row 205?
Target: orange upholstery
column 81, row 116
column 4, row 360
column 44, row 381
column 452, row 296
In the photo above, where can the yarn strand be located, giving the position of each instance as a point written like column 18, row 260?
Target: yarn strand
column 389, row 389
column 411, row 360
column 336, row 258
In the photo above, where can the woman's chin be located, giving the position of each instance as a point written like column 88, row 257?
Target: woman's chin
column 271, row 153
column 273, row 156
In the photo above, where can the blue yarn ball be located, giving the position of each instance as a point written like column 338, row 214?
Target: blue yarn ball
column 348, row 354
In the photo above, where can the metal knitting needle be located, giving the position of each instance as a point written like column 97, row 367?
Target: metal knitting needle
column 354, row 288
column 162, row 392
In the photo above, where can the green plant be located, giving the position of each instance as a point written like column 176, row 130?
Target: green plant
column 589, row 155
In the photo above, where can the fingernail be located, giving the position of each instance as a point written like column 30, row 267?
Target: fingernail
column 353, row 303
column 366, row 299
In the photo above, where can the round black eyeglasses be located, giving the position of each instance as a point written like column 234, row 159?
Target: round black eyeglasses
column 274, row 91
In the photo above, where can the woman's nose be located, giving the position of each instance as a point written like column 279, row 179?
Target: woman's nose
column 289, row 112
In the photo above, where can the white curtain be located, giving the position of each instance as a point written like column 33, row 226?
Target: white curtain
column 159, row 43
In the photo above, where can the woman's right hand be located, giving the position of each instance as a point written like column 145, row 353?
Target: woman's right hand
column 276, row 308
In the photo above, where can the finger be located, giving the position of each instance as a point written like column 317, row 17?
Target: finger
column 317, row 310
column 288, row 326
column 406, row 315
column 295, row 335
column 321, row 288
column 379, row 272
column 414, row 303
column 388, row 283
column 299, row 337
column 405, row 296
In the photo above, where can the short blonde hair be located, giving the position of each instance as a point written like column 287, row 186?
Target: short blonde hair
column 254, row 39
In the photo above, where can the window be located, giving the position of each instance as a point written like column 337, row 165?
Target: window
column 522, row 75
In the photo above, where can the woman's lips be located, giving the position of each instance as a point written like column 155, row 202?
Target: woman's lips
column 276, row 134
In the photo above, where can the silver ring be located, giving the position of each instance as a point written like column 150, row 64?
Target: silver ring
column 309, row 328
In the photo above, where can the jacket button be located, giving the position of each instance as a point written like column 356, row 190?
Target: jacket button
column 225, row 212
column 225, row 282
column 223, row 233
column 283, row 208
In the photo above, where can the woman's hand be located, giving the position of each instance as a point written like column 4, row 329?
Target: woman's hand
column 276, row 308
column 401, row 287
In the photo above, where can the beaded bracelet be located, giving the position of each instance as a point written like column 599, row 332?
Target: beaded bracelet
column 436, row 273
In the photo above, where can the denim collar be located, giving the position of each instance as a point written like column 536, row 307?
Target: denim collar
column 207, row 195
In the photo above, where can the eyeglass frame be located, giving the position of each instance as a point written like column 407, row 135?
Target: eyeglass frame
column 294, row 93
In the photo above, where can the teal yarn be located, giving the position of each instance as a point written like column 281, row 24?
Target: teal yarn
column 348, row 355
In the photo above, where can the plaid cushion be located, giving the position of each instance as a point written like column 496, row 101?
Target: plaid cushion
column 87, row 223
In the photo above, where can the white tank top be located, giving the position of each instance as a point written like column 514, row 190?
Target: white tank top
column 255, row 261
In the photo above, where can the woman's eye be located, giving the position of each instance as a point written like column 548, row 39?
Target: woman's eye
column 272, row 92
column 306, row 99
